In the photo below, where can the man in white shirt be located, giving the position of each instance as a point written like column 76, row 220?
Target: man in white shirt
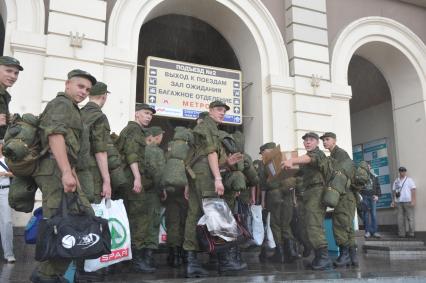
column 6, row 228
column 404, row 198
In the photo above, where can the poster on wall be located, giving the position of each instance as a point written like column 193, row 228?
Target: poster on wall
column 183, row 90
column 376, row 152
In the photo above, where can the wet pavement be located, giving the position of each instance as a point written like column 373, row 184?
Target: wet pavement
column 371, row 269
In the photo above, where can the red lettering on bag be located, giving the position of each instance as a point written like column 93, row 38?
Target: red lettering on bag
column 115, row 254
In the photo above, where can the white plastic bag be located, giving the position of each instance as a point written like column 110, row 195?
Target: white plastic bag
column 257, row 229
column 219, row 219
column 162, row 235
column 269, row 241
column 115, row 212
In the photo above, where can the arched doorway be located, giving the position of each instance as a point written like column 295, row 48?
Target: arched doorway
column 186, row 39
column 385, row 45
column 251, row 33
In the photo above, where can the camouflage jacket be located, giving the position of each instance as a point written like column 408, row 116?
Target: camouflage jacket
column 62, row 116
column 4, row 109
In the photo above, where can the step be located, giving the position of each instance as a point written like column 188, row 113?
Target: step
column 396, row 252
column 386, row 242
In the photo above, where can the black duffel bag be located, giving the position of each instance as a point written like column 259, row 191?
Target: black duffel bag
column 72, row 235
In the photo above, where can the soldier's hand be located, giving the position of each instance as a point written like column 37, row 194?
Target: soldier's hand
column 137, row 186
column 69, row 182
column 106, row 190
column 186, row 192
column 287, row 164
column 2, row 119
column 234, row 158
column 218, row 187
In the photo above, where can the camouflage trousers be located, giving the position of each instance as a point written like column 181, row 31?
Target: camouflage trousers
column 91, row 183
column 49, row 179
column 302, row 234
column 144, row 219
column 176, row 211
column 343, row 217
column 201, row 187
column 280, row 204
column 314, row 216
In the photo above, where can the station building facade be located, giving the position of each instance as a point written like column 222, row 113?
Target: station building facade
column 354, row 67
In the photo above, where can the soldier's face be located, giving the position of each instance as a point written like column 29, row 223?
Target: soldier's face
column 158, row 139
column 143, row 117
column 310, row 143
column 329, row 143
column 217, row 113
column 8, row 75
column 78, row 88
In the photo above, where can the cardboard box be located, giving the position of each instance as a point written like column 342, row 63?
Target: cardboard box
column 272, row 161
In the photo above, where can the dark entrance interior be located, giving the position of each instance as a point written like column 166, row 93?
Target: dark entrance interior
column 182, row 38
column 2, row 35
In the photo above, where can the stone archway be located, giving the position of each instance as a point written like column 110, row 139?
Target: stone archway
column 253, row 35
column 401, row 57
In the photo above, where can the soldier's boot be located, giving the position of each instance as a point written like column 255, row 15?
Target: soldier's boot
column 194, row 268
column 171, row 256
column 174, row 257
column 212, row 258
column 306, row 250
column 150, row 258
column 353, row 255
column 183, row 255
column 239, row 257
column 82, row 276
column 322, row 260
column 227, row 262
column 36, row 277
column 290, row 251
column 262, row 255
column 278, row 256
column 140, row 262
column 344, row 258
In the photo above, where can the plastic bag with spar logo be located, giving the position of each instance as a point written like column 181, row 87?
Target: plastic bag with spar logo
column 72, row 235
column 115, row 213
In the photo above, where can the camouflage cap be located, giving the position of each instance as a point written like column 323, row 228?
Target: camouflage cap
column 156, row 131
column 328, row 135
column 83, row 74
column 203, row 115
column 218, row 103
column 10, row 61
column 99, row 89
column 142, row 106
column 268, row 145
column 310, row 135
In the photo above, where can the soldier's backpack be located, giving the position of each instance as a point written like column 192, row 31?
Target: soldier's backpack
column 22, row 145
column 361, row 176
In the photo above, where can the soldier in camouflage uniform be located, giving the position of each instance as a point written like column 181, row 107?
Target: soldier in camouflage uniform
column 61, row 129
column 131, row 144
column 279, row 202
column 344, row 212
column 9, row 72
column 94, row 163
column 99, row 138
column 154, row 163
column 207, row 182
column 316, row 169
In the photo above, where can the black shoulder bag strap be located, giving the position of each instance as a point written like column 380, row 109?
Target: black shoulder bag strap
column 4, row 166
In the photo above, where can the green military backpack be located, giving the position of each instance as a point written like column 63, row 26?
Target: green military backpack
column 361, row 176
column 22, row 145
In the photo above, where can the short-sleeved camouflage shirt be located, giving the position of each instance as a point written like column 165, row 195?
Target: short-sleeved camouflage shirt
column 62, row 116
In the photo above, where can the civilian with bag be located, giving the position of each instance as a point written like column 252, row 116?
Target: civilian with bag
column 6, row 228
